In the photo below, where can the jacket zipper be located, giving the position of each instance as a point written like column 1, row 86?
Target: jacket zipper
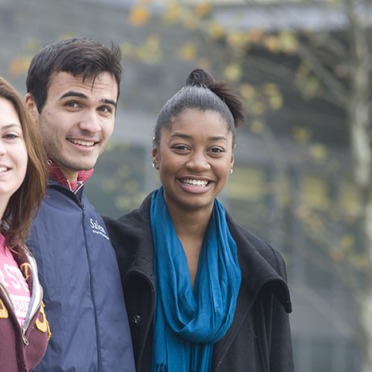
column 27, row 321
column 9, row 300
column 74, row 196
column 92, row 294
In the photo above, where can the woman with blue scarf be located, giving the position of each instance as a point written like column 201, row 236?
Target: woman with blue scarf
column 202, row 293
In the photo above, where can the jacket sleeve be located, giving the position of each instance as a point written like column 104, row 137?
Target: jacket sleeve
column 274, row 306
column 277, row 322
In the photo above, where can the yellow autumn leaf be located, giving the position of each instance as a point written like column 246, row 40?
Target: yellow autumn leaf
column 139, row 15
column 188, row 52
column 19, row 66
column 310, row 87
column 271, row 43
column 153, row 42
column 215, row 30
column 237, row 39
column 172, row 13
column 126, row 48
column 233, row 72
column 257, row 126
column 191, row 22
column 318, row 151
column 288, row 42
column 276, row 101
column 347, row 242
column 270, row 88
column 247, row 91
column 361, row 262
column 203, row 9
column 258, row 108
column 301, row 135
column 256, row 36
column 150, row 51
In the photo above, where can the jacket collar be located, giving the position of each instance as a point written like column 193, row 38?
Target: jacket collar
column 57, row 175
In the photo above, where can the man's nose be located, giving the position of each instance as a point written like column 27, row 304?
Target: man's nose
column 90, row 122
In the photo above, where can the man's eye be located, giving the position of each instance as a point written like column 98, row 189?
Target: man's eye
column 106, row 109
column 71, row 104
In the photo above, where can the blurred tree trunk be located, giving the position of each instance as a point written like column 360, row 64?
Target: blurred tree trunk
column 359, row 112
column 356, row 99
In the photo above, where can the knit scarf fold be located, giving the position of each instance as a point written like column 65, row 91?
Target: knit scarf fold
column 188, row 322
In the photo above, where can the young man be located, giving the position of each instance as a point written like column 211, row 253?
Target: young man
column 72, row 91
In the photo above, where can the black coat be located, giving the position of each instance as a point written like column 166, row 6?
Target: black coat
column 259, row 338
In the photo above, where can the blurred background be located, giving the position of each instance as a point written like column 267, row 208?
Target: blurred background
column 302, row 178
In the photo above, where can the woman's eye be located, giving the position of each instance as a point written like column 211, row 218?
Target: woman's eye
column 11, row 135
column 217, row 150
column 180, row 147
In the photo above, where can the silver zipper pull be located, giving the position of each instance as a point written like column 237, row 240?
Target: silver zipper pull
column 25, row 339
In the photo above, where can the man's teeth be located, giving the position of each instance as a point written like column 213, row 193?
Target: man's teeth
column 3, row 169
column 196, row 182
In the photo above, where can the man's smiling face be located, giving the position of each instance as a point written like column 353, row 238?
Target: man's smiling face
column 77, row 120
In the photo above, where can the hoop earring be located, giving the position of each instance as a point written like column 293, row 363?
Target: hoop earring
column 231, row 171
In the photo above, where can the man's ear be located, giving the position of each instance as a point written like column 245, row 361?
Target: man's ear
column 32, row 107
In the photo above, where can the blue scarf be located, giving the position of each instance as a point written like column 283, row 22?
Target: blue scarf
column 188, row 322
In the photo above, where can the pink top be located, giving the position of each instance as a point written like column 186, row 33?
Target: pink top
column 14, row 282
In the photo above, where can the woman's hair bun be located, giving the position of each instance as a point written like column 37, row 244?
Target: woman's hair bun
column 199, row 77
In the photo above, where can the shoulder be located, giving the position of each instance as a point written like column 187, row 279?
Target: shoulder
column 262, row 247
column 131, row 237
column 132, row 221
column 131, row 227
column 261, row 263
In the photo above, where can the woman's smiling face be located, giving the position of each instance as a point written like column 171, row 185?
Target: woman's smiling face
column 194, row 157
column 13, row 152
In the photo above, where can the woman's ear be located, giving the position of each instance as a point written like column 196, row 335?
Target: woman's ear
column 233, row 157
column 155, row 156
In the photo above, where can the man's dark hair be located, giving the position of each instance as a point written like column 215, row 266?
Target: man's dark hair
column 78, row 56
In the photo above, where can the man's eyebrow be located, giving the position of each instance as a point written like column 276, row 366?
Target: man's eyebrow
column 109, row 102
column 84, row 96
column 74, row 94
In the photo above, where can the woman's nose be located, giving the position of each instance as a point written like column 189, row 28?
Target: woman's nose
column 198, row 161
column 2, row 148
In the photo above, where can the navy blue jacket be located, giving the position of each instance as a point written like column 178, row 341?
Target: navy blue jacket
column 83, row 296
column 259, row 339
